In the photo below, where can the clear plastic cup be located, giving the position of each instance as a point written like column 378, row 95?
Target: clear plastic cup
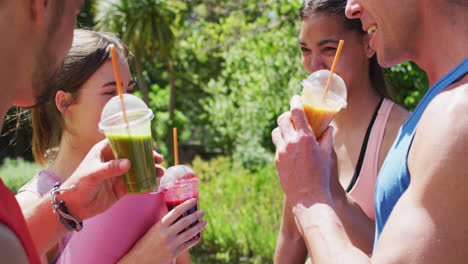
column 178, row 185
column 321, row 108
column 132, row 142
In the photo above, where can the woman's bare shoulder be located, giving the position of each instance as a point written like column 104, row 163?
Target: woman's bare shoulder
column 397, row 117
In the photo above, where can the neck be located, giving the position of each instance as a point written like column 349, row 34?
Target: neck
column 362, row 102
column 443, row 42
column 69, row 156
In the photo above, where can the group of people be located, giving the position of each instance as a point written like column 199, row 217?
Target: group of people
column 380, row 185
column 68, row 89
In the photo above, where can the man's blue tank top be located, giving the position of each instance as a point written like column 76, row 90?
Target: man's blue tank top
column 394, row 176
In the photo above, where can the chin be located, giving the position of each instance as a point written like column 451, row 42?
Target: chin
column 386, row 62
column 25, row 102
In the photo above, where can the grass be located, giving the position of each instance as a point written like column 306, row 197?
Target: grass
column 242, row 207
column 17, row 172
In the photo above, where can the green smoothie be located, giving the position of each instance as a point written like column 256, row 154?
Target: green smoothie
column 139, row 150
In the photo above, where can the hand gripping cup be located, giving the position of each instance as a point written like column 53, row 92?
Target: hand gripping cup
column 132, row 142
column 321, row 107
column 178, row 185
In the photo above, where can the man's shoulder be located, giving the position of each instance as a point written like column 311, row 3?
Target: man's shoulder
column 450, row 105
column 441, row 137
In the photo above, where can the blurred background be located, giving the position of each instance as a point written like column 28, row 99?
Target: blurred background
column 221, row 72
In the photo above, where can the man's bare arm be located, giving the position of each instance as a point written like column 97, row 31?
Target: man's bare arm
column 428, row 224
column 290, row 247
column 11, row 249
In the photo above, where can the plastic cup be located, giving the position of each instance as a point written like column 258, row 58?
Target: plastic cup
column 178, row 185
column 132, row 142
column 321, row 108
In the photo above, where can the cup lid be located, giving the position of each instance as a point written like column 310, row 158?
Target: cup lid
column 135, row 109
column 178, row 184
column 316, row 82
column 177, row 172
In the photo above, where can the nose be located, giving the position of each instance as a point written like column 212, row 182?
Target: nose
column 354, row 9
column 317, row 63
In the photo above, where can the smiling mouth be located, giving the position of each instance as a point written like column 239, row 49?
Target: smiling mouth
column 372, row 29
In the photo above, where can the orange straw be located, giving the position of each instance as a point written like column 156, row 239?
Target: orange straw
column 176, row 154
column 332, row 70
column 117, row 80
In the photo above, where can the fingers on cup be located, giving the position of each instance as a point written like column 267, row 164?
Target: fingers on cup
column 103, row 148
column 277, row 137
column 192, row 232
column 298, row 115
column 179, row 210
column 188, row 220
column 286, row 125
column 326, row 142
column 158, row 158
column 159, row 170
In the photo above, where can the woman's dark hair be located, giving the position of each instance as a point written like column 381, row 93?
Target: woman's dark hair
column 337, row 8
column 89, row 51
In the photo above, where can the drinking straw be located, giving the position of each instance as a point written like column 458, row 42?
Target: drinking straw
column 332, row 70
column 176, row 154
column 117, row 80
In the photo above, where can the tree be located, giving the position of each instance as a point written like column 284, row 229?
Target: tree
column 145, row 26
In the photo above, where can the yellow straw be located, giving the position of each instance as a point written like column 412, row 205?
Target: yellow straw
column 332, row 70
column 176, row 154
column 117, row 80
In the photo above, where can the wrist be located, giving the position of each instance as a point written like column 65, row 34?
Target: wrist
column 310, row 218
column 304, row 209
column 60, row 207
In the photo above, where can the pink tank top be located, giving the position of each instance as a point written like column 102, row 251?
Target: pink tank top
column 106, row 237
column 363, row 190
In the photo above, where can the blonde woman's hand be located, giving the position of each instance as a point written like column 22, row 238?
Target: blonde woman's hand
column 165, row 240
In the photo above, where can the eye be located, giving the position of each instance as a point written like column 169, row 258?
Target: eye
column 111, row 92
column 330, row 51
column 304, row 49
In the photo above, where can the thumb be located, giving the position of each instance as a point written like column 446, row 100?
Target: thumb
column 326, row 142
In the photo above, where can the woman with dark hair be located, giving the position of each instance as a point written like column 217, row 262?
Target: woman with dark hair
column 364, row 131
column 137, row 229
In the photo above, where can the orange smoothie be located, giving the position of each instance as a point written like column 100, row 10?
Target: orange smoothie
column 318, row 119
column 319, row 111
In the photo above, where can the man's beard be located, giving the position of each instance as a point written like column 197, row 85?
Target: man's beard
column 46, row 72
column 44, row 79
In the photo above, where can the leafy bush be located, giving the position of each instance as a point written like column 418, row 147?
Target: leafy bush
column 408, row 82
column 17, row 172
column 260, row 73
column 243, row 211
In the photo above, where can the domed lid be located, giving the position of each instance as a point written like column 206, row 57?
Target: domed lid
column 316, row 82
column 135, row 109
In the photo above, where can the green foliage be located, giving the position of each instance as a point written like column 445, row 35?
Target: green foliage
column 85, row 19
column 260, row 73
column 161, row 124
column 242, row 209
column 409, row 83
column 236, row 65
column 17, row 172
